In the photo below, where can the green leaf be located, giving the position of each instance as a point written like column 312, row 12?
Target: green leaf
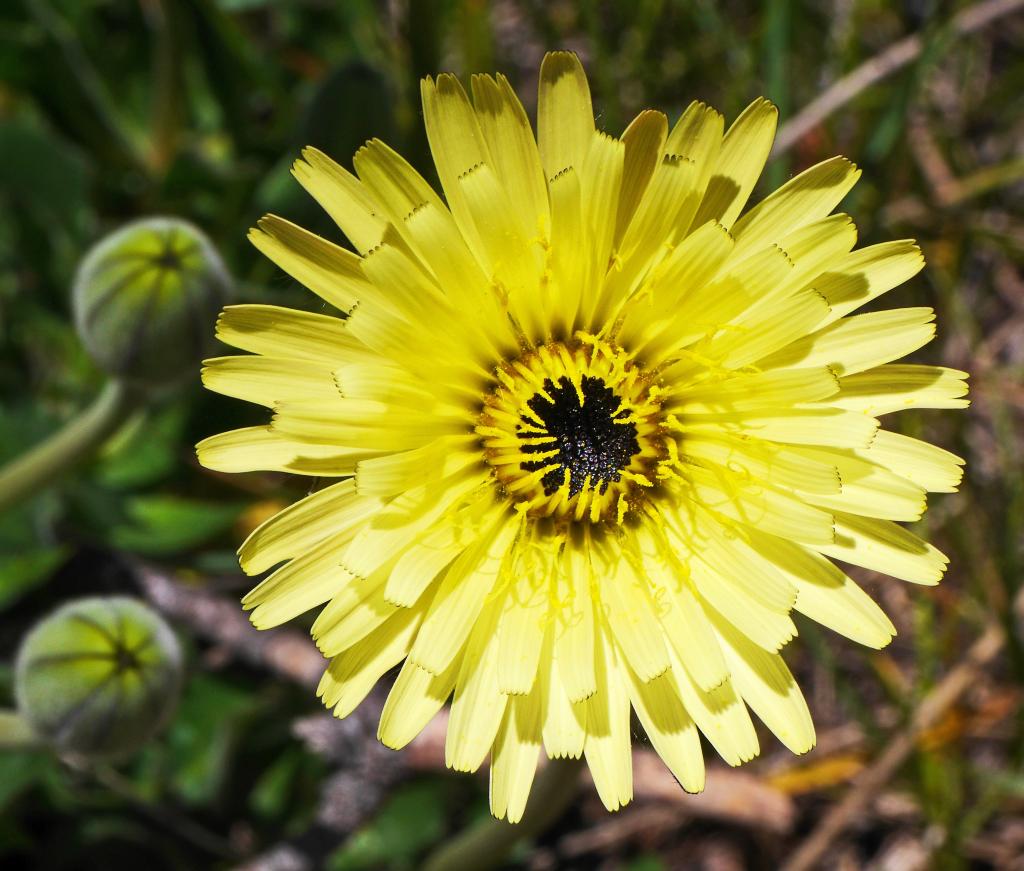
column 25, row 561
column 272, row 790
column 146, row 451
column 645, row 863
column 39, row 169
column 19, row 771
column 20, row 573
column 411, row 821
column 160, row 525
column 351, row 104
column 201, row 739
column 229, row 61
column 244, row 5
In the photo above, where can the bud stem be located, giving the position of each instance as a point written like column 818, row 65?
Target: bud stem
column 15, row 732
column 79, row 437
column 486, row 844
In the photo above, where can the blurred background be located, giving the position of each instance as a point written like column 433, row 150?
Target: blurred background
column 114, row 110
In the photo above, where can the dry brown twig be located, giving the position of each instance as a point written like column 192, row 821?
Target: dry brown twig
column 899, row 748
column 928, row 155
column 887, row 62
column 282, row 651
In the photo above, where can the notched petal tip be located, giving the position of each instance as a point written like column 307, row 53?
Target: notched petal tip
column 560, row 60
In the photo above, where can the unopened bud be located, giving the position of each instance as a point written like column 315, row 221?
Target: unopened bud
column 144, row 297
column 99, row 676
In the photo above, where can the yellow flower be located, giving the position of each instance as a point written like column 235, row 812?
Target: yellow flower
column 594, row 434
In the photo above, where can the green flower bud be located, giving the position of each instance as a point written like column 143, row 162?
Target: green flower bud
column 99, row 676
column 144, row 298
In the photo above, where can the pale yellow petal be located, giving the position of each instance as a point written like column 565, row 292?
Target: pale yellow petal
column 631, row 618
column 644, row 139
column 525, row 613
column 565, row 117
column 343, row 197
column 389, row 426
column 721, row 715
column 600, row 184
column 883, row 546
column 514, row 759
column 776, row 464
column 331, row 272
column 310, row 579
column 860, row 342
column 567, row 238
column 564, row 729
column 352, row 674
column 896, row 386
column 461, row 597
column 816, row 247
column 697, row 136
column 669, row 727
column 574, row 624
column 395, row 185
column 867, row 488
column 759, row 389
column 425, row 225
column 506, row 129
column 456, row 143
column 797, row 426
column 404, row 519
column 607, row 746
column 652, row 319
column 478, row 705
column 808, row 197
column 766, row 627
column 709, row 307
column 421, row 561
column 865, row 274
column 394, row 340
column 686, row 626
column 757, row 334
column 767, row 685
column 267, row 380
column 414, row 699
column 729, row 555
column 258, row 448
column 354, row 612
column 406, row 470
column 648, row 238
column 928, row 466
column 510, row 259
column 484, row 327
column 403, row 283
column 753, row 504
column 331, row 511
column 285, row 332
column 739, row 163
column 826, row 594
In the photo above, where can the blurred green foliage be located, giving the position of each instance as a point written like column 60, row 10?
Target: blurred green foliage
column 116, row 109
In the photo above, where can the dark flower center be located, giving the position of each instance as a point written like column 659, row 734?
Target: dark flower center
column 592, row 438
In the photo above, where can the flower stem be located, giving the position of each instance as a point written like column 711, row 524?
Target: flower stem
column 486, row 844
column 15, row 732
column 46, row 462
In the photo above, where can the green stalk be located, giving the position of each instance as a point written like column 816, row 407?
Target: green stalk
column 85, row 82
column 167, row 75
column 44, row 464
column 15, row 732
column 486, row 844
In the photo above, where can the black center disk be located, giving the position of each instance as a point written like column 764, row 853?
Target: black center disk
column 588, row 438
